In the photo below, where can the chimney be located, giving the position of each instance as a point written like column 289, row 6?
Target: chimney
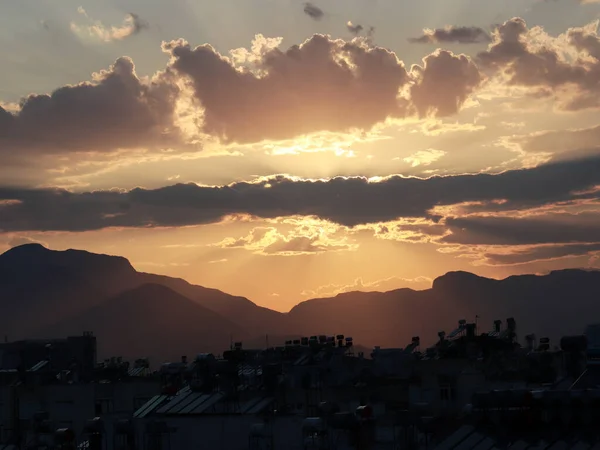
column 497, row 325
column 184, row 359
column 470, row 330
column 530, row 339
column 511, row 324
column 442, row 335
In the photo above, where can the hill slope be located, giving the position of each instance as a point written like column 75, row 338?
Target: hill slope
column 40, row 287
column 562, row 302
column 151, row 320
column 44, row 291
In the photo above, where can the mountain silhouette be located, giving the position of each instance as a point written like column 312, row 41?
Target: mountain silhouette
column 151, row 318
column 47, row 293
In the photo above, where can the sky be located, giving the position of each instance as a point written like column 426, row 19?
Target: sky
column 284, row 150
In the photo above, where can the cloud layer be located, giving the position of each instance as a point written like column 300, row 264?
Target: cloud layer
column 345, row 201
column 322, row 84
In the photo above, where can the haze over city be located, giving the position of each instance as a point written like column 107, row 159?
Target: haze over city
column 284, row 150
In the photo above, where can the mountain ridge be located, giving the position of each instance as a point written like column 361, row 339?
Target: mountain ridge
column 60, row 291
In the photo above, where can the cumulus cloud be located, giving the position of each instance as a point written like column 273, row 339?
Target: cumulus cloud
column 322, row 84
column 116, row 110
column 452, row 34
column 266, row 93
column 313, row 11
column 346, row 201
column 251, row 95
column 566, row 67
column 443, row 83
column 131, row 26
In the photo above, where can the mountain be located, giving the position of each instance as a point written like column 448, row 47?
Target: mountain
column 45, row 292
column 562, row 302
column 253, row 318
column 38, row 286
column 151, row 318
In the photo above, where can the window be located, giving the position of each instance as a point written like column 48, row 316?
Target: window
column 447, row 393
column 447, row 386
column 104, row 406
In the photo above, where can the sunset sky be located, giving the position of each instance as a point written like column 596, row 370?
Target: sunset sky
column 284, row 150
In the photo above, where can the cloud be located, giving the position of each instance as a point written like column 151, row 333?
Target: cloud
column 357, row 29
column 541, row 229
column 443, row 83
column 345, row 201
column 251, row 95
column 566, row 67
column 525, row 254
column 354, row 29
column 384, row 285
column 452, row 34
column 406, row 230
column 312, row 11
column 322, row 84
column 570, row 143
column 424, row 157
column 131, row 26
column 439, row 127
column 303, row 240
column 116, row 110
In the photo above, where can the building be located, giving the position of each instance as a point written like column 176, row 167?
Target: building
column 313, row 393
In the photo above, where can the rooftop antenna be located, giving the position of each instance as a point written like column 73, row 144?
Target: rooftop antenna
column 230, row 341
column 476, row 321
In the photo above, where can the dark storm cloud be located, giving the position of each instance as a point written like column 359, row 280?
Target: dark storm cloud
column 349, row 201
column 116, row 111
column 453, row 34
column 314, row 12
